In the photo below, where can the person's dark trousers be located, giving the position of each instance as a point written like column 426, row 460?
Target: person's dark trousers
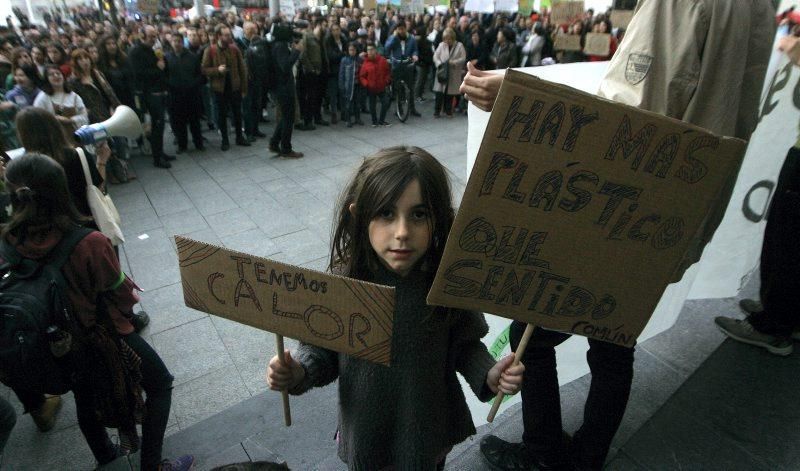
column 310, row 89
column 157, row 385
column 334, row 100
column 407, row 73
column 780, row 255
column 8, row 418
column 156, row 106
column 384, row 99
column 351, row 109
column 443, row 101
column 282, row 136
column 186, row 109
column 252, row 107
column 229, row 101
column 612, row 374
column 422, row 80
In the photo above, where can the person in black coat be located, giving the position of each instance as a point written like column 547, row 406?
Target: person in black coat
column 285, row 55
column 477, row 52
column 424, row 64
column 335, row 45
column 185, row 79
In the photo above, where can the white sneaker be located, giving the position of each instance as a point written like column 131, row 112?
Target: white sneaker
column 743, row 331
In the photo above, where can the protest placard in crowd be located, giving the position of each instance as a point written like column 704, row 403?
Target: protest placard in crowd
column 567, row 42
column 621, row 18
column 566, row 11
column 597, row 44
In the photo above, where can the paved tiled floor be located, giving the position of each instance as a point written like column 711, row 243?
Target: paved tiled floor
column 247, row 200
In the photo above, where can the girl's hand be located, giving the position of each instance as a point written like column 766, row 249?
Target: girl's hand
column 280, row 377
column 481, row 87
column 504, row 377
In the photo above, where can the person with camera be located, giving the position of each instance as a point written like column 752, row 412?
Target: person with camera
column 224, row 66
column 285, row 54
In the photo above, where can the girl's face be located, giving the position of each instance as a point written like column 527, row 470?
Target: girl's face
column 94, row 54
column 351, row 50
column 24, row 59
column 37, row 54
column 53, row 54
column 401, row 235
column 55, row 78
column 22, row 79
column 84, row 63
column 111, row 46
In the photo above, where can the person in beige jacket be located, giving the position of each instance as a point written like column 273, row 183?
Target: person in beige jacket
column 702, row 62
column 451, row 52
column 227, row 75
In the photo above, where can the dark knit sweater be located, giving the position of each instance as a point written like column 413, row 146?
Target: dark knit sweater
column 409, row 413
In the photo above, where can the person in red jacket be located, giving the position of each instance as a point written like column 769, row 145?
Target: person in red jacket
column 375, row 75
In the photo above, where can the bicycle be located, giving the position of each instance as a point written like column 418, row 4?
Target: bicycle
column 401, row 91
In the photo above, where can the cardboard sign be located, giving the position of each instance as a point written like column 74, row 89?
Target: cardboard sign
column 597, row 44
column 148, row 7
column 566, row 12
column 567, row 42
column 580, row 211
column 621, row 18
column 333, row 312
column 368, row 5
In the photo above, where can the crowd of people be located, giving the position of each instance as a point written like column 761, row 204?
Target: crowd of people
column 391, row 221
column 239, row 65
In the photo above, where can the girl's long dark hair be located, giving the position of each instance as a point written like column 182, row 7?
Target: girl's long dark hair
column 377, row 185
column 39, row 131
column 37, row 186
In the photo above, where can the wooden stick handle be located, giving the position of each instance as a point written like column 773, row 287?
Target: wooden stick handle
column 523, row 344
column 287, row 412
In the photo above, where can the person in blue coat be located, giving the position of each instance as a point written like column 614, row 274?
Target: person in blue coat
column 349, row 89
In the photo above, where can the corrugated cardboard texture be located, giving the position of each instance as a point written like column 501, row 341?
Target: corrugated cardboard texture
column 579, row 211
column 597, row 44
column 333, row 312
column 566, row 11
column 621, row 18
column 567, row 42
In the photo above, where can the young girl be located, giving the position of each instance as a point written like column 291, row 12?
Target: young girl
column 393, row 221
column 349, row 88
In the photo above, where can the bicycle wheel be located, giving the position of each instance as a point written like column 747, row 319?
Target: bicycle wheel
column 403, row 96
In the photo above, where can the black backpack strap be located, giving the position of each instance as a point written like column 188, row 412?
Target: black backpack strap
column 62, row 251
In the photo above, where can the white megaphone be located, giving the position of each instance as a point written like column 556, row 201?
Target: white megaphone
column 123, row 123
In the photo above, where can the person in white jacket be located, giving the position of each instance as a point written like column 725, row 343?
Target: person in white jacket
column 61, row 101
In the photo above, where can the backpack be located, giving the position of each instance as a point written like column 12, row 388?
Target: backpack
column 32, row 298
column 260, row 62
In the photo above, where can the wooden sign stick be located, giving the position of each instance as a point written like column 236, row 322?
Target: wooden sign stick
column 287, row 412
column 523, row 344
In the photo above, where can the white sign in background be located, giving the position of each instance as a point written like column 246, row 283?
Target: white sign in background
column 730, row 258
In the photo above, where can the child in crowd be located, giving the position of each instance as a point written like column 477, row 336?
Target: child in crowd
column 349, row 87
column 375, row 75
column 393, row 221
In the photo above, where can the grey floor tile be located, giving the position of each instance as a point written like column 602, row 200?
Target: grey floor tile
column 167, row 309
column 171, row 204
column 184, row 222
column 214, row 204
column 300, row 247
column 155, row 271
column 154, row 241
column 230, row 222
column 192, row 350
column 234, row 454
column 275, row 219
column 251, row 350
column 253, row 242
column 205, row 396
column 131, row 202
column 135, row 223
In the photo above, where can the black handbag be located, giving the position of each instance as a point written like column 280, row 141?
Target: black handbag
column 443, row 73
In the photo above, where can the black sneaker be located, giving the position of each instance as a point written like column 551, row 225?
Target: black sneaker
column 259, row 134
column 181, row 150
column 168, row 157
column 241, row 141
column 161, row 164
column 225, row 146
column 275, row 149
column 322, row 122
column 505, row 456
column 140, row 320
column 384, row 124
column 415, row 113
